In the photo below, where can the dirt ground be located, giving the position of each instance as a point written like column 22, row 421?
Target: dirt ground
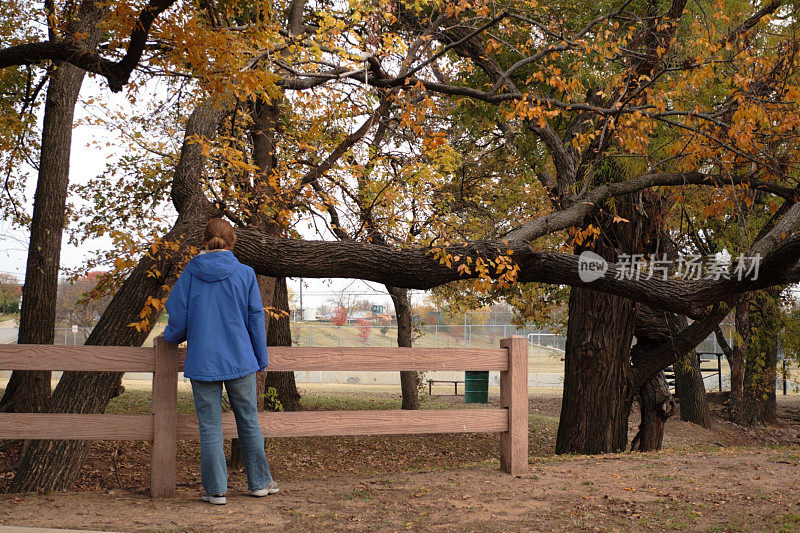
column 723, row 479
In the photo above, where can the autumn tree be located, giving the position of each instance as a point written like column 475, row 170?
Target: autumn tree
column 76, row 302
column 603, row 107
column 10, row 293
column 74, row 31
column 339, row 316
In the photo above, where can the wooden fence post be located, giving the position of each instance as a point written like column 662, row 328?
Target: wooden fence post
column 165, row 420
column 514, row 397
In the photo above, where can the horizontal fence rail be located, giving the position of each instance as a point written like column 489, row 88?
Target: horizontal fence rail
column 76, row 426
column 285, row 358
column 281, row 358
column 78, row 358
column 165, row 427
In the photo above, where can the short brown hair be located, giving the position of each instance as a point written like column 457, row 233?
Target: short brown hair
column 219, row 234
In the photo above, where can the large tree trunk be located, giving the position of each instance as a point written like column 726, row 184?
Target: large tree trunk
column 54, row 465
column 279, row 334
column 598, row 390
column 598, row 375
column 690, row 387
column 757, row 403
column 691, row 391
column 266, row 118
column 266, row 287
column 409, row 380
column 736, row 361
column 28, row 391
column 657, row 405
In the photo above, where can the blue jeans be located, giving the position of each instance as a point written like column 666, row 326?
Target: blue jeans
column 208, row 404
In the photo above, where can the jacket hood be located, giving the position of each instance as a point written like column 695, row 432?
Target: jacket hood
column 213, row 266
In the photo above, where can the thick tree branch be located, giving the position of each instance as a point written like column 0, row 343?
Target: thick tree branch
column 116, row 72
column 591, row 201
column 668, row 353
column 419, row 268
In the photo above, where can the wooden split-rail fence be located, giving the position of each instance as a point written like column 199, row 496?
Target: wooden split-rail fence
column 164, row 427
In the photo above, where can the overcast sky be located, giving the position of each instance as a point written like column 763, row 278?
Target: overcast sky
column 89, row 161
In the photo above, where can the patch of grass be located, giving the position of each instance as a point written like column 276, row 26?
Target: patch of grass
column 140, row 401
column 362, row 493
column 789, row 522
column 731, row 524
column 345, row 402
column 9, row 316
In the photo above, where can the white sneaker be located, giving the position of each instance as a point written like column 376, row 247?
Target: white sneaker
column 215, row 500
column 272, row 488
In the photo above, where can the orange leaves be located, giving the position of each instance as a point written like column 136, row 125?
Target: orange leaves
column 276, row 314
column 152, row 309
column 498, row 272
column 586, row 235
column 535, row 112
column 635, row 132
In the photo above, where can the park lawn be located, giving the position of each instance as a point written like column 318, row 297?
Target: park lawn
column 4, row 317
column 720, row 480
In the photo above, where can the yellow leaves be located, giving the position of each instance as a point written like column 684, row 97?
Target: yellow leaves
column 275, row 313
column 152, row 305
column 152, row 308
column 493, row 46
column 635, row 131
column 620, row 219
column 140, row 326
column 535, row 112
column 586, row 235
column 121, row 263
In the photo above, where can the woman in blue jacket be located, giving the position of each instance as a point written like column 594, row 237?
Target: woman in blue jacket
column 216, row 307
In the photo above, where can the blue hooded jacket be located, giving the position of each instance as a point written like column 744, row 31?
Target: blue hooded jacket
column 216, row 307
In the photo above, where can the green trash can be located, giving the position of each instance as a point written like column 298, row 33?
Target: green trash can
column 476, row 386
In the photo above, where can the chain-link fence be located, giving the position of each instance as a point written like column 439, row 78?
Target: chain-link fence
column 546, row 349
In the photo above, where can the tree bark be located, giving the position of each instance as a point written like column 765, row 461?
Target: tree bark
column 409, row 380
column 28, row 391
column 691, row 392
column 266, row 287
column 757, row 404
column 598, row 376
column 598, row 390
column 657, row 405
column 690, row 387
column 736, row 361
column 279, row 334
column 285, row 257
column 274, row 292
